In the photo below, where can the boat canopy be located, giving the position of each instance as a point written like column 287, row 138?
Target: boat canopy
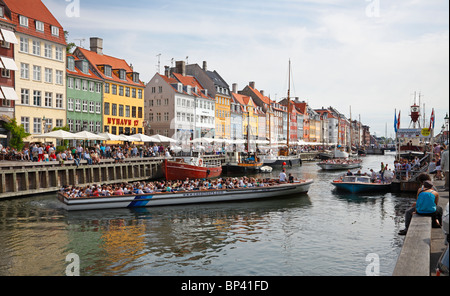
column 360, row 179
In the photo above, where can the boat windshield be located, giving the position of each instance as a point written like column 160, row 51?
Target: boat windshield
column 363, row 179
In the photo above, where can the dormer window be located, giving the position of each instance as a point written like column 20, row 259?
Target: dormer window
column 70, row 63
column 39, row 26
column 23, row 21
column 108, row 71
column 85, row 67
column 135, row 77
column 55, row 31
column 122, row 74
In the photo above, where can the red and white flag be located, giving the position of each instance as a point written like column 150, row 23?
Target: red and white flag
column 431, row 120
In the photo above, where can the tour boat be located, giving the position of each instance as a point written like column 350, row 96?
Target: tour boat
column 340, row 164
column 183, row 197
column 355, row 184
column 190, row 167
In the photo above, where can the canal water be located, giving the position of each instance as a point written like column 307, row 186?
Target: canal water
column 322, row 233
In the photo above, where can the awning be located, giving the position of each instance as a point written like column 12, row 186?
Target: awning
column 8, row 64
column 8, row 36
column 8, row 93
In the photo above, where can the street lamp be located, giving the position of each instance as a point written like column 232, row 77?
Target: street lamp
column 44, row 122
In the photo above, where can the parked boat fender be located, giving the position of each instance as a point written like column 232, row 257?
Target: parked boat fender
column 200, row 162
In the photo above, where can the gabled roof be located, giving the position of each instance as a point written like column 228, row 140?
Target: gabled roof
column 78, row 72
column 264, row 99
column 217, row 79
column 35, row 10
column 97, row 60
column 193, row 82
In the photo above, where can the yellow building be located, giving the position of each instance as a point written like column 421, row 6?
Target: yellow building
column 40, row 57
column 223, row 117
column 123, row 92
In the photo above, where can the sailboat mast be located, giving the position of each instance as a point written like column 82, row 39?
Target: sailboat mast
column 289, row 105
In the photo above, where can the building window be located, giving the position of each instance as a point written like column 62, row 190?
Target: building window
column 98, row 108
column 106, row 88
column 25, row 96
column 85, row 85
column 59, row 101
column 23, row 44
column 133, row 111
column 48, row 75
column 91, row 86
column 59, row 53
column 39, row 26
column 48, row 51
column 133, row 92
column 77, row 105
column 70, row 124
column 59, row 77
column 91, row 107
column 140, row 94
column 70, row 82
column 37, row 125
column 70, row 104
column 120, row 110
column 37, row 73
column 114, row 109
column 24, row 71
column 127, row 111
column 120, row 90
column 48, row 99
column 107, row 70
column 85, row 106
column 71, row 63
column 106, row 108
column 55, row 31
column 36, row 98
column 6, row 73
column 23, row 21
column 127, row 91
column 25, row 121
column 166, row 116
column 77, row 125
column 114, row 89
column 139, row 112
column 36, row 47
column 98, row 87
column 59, row 123
column 77, row 83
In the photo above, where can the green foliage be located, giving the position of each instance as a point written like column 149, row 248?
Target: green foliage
column 17, row 133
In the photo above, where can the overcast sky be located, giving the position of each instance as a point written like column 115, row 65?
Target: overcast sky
column 369, row 56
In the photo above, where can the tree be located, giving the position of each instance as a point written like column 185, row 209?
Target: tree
column 17, row 133
column 70, row 45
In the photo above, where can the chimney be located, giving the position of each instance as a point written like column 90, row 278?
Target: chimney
column 234, row 87
column 166, row 71
column 204, row 66
column 251, row 84
column 262, row 92
column 181, row 67
column 97, row 45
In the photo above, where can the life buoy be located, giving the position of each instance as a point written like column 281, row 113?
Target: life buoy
column 200, row 162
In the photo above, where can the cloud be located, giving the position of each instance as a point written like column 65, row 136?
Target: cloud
column 340, row 55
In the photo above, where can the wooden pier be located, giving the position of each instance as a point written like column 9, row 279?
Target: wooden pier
column 28, row 178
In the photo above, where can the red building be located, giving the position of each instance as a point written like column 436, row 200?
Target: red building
column 8, row 66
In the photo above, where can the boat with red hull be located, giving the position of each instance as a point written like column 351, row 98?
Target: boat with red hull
column 190, row 167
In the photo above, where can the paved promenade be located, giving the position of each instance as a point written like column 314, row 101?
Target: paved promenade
column 437, row 235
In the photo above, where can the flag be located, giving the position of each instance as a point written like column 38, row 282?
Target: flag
column 431, row 120
column 398, row 120
column 395, row 120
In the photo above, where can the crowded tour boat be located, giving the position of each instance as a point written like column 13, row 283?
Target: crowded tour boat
column 164, row 193
column 340, row 164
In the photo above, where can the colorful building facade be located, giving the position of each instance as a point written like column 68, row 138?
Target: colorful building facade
column 123, row 92
column 84, row 97
column 40, row 57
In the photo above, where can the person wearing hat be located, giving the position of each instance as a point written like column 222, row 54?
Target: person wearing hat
column 426, row 205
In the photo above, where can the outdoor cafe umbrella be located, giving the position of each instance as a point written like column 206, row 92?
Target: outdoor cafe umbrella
column 162, row 138
column 111, row 137
column 60, row 135
column 85, row 135
column 144, row 138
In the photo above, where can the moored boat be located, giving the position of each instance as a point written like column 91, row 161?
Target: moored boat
column 183, row 197
column 340, row 164
column 355, row 184
column 190, row 167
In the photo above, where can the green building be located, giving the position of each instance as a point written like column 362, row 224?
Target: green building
column 84, row 97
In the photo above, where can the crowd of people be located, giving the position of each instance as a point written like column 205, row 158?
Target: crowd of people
column 168, row 186
column 37, row 152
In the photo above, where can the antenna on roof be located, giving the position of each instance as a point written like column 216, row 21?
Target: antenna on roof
column 81, row 41
column 171, row 62
column 187, row 57
column 159, row 62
